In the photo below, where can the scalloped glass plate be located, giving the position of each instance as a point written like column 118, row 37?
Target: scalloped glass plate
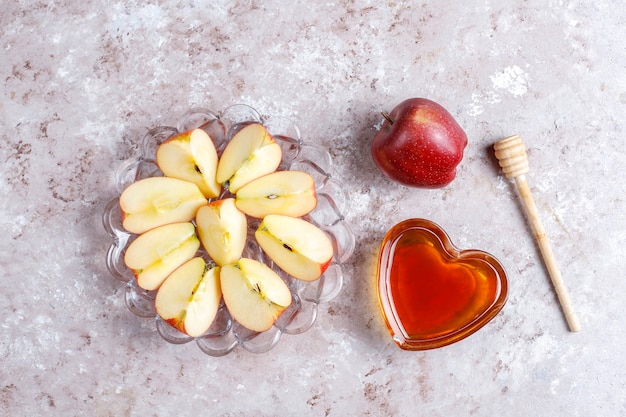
column 225, row 334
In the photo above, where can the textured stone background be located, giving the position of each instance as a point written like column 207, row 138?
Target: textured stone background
column 83, row 81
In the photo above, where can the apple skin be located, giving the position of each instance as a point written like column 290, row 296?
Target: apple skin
column 420, row 144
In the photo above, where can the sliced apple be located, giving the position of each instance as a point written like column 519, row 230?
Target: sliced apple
column 190, row 296
column 156, row 201
column 254, row 294
column 158, row 252
column 291, row 193
column 298, row 247
column 250, row 154
column 191, row 156
column 222, row 229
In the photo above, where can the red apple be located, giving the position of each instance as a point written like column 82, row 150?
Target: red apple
column 419, row 144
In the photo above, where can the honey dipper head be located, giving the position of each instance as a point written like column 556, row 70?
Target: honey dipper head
column 511, row 154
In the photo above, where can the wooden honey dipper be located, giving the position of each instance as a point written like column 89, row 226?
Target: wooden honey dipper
column 511, row 154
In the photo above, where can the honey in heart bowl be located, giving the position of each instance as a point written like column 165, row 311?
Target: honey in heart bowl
column 432, row 294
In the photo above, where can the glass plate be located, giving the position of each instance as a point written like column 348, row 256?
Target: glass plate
column 225, row 334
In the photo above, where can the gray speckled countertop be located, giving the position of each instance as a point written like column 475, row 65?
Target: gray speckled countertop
column 83, row 81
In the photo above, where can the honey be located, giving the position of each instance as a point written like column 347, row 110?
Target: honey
column 432, row 294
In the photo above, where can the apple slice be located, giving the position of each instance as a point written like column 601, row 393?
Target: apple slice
column 298, row 247
column 156, row 201
column 190, row 296
column 254, row 294
column 251, row 153
column 158, row 252
column 291, row 193
column 191, row 156
column 222, row 229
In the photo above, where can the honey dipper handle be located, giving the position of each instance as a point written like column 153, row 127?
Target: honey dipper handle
column 548, row 256
column 511, row 154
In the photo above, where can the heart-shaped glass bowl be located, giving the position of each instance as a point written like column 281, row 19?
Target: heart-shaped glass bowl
column 431, row 293
column 225, row 334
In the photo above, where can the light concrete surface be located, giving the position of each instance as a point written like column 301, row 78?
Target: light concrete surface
column 83, row 81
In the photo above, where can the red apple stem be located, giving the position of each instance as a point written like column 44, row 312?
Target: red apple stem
column 511, row 154
column 387, row 117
